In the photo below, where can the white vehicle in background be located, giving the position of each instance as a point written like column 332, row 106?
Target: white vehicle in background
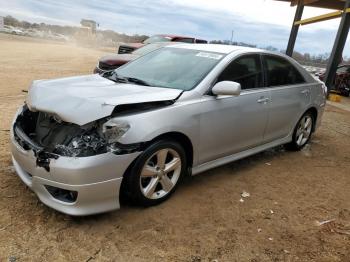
column 17, row 31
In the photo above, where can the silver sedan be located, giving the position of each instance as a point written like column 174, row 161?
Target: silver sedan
column 81, row 142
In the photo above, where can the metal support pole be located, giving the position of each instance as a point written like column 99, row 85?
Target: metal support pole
column 338, row 47
column 295, row 29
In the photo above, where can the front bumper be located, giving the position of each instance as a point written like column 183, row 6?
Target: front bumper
column 96, row 179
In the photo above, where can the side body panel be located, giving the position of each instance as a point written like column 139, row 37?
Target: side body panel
column 232, row 124
column 286, row 106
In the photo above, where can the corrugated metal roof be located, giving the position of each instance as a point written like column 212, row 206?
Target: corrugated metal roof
column 330, row 4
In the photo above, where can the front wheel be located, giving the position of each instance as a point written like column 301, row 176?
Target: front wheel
column 156, row 173
column 302, row 132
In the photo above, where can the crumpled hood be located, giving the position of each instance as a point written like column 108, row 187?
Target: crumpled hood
column 84, row 99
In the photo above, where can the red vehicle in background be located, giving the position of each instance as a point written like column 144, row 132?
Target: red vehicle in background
column 130, row 47
column 342, row 80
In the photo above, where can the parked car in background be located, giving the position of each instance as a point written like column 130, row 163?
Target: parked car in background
column 80, row 142
column 12, row 30
column 113, row 61
column 130, row 47
column 341, row 81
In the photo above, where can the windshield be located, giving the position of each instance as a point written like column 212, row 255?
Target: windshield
column 157, row 38
column 171, row 67
column 147, row 49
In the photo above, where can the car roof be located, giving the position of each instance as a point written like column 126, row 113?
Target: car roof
column 224, row 49
column 175, row 36
column 162, row 44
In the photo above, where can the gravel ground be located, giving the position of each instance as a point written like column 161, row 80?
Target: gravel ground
column 291, row 193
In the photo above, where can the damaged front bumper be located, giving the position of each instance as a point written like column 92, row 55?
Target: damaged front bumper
column 73, row 185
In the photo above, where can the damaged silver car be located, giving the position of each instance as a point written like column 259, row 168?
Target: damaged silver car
column 81, row 142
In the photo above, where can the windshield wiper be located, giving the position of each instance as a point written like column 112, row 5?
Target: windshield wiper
column 137, row 81
column 113, row 76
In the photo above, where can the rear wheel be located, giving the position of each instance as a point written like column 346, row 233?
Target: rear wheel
column 302, row 132
column 156, row 173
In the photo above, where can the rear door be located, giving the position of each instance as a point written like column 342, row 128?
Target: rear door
column 290, row 96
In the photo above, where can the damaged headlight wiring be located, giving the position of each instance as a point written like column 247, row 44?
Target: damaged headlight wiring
column 113, row 130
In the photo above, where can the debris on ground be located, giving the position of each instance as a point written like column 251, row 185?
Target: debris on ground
column 241, row 200
column 320, row 223
column 196, row 259
column 268, row 164
column 245, row 194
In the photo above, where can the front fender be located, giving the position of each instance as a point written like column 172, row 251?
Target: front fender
column 145, row 126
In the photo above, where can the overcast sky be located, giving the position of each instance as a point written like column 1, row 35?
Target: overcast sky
column 260, row 22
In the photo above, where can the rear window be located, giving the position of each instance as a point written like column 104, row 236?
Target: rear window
column 281, row 72
column 184, row 40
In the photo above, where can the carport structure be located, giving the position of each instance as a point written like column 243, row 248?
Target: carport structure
column 342, row 10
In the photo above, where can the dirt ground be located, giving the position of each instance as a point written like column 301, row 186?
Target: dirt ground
column 204, row 220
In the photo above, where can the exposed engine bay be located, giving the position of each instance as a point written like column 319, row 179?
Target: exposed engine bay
column 50, row 137
column 47, row 132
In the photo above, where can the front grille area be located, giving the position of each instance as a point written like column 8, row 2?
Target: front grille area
column 106, row 67
column 125, row 49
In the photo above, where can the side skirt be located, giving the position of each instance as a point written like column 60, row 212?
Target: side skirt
column 227, row 159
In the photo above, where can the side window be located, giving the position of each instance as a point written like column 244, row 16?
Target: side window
column 245, row 70
column 281, row 72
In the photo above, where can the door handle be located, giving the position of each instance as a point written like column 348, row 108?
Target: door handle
column 263, row 100
column 305, row 92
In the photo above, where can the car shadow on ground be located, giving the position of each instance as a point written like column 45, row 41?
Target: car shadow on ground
column 206, row 179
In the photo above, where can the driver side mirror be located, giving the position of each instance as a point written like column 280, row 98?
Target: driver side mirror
column 226, row 88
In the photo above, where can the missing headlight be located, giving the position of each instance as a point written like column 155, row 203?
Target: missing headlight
column 114, row 130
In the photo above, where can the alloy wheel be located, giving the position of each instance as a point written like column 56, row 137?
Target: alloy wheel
column 160, row 173
column 304, row 130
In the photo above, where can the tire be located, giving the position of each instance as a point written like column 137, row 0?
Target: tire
column 302, row 132
column 156, row 173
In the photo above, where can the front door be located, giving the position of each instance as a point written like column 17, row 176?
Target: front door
column 230, row 124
